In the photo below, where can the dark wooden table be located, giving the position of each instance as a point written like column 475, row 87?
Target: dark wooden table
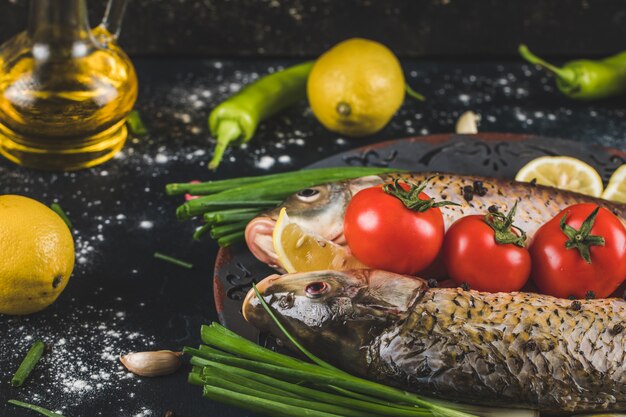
column 120, row 298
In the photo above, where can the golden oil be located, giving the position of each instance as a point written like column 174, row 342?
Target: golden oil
column 65, row 92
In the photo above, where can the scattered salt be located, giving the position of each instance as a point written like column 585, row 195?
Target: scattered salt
column 265, row 162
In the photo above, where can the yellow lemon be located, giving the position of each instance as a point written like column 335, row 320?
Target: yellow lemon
column 616, row 189
column 563, row 172
column 356, row 87
column 37, row 255
column 300, row 250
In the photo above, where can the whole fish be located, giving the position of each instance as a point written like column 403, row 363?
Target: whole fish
column 321, row 209
column 498, row 349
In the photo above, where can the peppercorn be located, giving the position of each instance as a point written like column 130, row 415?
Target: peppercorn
column 617, row 329
column 493, row 208
column 576, row 305
column 465, row 286
column 432, row 283
column 590, row 295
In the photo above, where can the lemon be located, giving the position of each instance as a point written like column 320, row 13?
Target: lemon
column 616, row 188
column 563, row 172
column 356, row 87
column 300, row 250
column 37, row 255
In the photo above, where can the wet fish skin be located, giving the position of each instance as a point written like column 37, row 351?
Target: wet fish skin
column 506, row 349
column 324, row 214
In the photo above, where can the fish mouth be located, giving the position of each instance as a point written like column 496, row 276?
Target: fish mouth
column 258, row 237
column 251, row 302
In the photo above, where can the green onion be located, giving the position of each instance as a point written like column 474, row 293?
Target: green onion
column 229, row 240
column 226, row 229
column 36, row 408
column 135, row 124
column 229, row 357
column 259, row 404
column 229, row 216
column 58, row 210
column 321, row 174
column 28, row 363
column 201, row 231
column 239, row 200
column 172, row 260
column 187, row 211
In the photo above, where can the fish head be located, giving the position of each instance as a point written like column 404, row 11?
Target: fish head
column 328, row 311
column 319, row 209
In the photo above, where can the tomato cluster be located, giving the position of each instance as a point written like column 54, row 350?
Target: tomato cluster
column 581, row 252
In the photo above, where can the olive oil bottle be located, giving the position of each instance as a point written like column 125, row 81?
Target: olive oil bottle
column 65, row 89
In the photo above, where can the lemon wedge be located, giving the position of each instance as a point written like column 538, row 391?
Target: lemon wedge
column 563, row 172
column 616, row 189
column 301, row 250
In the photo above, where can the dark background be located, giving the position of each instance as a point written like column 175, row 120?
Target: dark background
column 192, row 54
column 412, row 28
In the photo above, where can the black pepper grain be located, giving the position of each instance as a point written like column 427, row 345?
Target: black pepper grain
column 576, row 305
column 590, row 295
column 571, row 297
column 531, row 345
column 617, row 329
column 493, row 208
column 533, row 182
column 432, row 283
column 465, row 286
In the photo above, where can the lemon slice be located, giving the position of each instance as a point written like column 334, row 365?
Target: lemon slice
column 616, row 189
column 300, row 250
column 563, row 172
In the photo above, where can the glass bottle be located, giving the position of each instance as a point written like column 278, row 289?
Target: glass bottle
column 65, row 89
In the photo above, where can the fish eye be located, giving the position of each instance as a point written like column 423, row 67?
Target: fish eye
column 316, row 289
column 308, row 195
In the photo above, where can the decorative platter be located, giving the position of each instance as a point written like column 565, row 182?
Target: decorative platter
column 488, row 154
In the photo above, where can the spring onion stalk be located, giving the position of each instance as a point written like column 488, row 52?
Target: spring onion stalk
column 135, row 124
column 172, row 260
column 320, row 174
column 58, row 210
column 226, row 229
column 239, row 200
column 201, row 231
column 232, row 354
column 28, row 363
column 259, row 404
column 245, row 388
column 231, row 239
column 36, row 408
column 229, row 216
column 301, row 391
column 187, row 211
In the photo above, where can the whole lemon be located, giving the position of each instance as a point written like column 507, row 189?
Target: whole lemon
column 36, row 252
column 355, row 87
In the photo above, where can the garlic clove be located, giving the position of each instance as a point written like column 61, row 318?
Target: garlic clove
column 468, row 123
column 152, row 363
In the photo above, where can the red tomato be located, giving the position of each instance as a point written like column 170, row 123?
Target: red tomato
column 563, row 272
column 472, row 255
column 384, row 234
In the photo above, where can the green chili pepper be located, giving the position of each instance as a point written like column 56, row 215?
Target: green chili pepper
column 237, row 118
column 586, row 79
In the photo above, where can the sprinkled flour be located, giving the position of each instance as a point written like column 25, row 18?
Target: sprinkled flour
column 81, row 359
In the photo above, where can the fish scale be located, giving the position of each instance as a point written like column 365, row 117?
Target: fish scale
column 508, row 343
column 519, row 349
column 324, row 215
